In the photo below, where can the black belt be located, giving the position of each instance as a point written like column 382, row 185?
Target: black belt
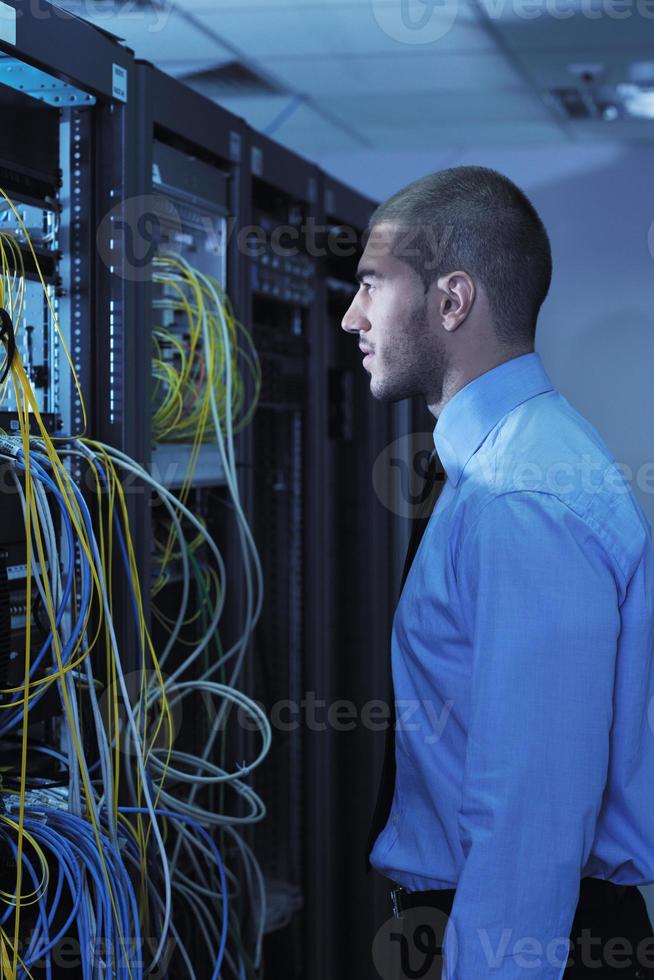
column 402, row 898
column 593, row 893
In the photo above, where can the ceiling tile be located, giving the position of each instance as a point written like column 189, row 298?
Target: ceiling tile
column 572, row 23
column 414, row 9
column 424, row 108
column 355, row 29
column 260, row 6
column 550, row 68
column 392, row 138
column 405, row 71
column 625, row 130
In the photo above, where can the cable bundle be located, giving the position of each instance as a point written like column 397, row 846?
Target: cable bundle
column 193, row 301
column 126, row 843
column 107, row 943
column 199, row 354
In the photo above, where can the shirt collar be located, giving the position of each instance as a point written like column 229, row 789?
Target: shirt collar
column 475, row 409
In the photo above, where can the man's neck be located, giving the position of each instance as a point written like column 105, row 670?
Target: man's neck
column 459, row 377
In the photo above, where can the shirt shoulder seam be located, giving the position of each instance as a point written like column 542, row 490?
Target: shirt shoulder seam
column 595, row 529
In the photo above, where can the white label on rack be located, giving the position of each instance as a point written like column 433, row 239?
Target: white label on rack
column 256, row 161
column 119, row 83
column 7, row 23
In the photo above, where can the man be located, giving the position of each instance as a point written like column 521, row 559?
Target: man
column 526, row 622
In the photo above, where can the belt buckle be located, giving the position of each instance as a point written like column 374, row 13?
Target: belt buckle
column 396, row 895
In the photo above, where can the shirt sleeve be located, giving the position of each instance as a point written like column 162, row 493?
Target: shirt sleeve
column 543, row 608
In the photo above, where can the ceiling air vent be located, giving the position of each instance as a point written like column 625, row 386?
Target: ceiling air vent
column 573, row 103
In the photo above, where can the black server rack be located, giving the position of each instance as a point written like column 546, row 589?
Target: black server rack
column 63, row 168
column 288, row 496
column 187, row 152
column 65, row 108
column 190, row 156
column 359, row 596
column 65, row 158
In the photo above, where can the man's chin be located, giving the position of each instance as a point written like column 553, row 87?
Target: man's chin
column 384, row 392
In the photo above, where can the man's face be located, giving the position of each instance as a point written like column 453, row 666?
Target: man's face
column 390, row 313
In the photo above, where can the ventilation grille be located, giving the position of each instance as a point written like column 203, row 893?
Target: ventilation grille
column 586, row 103
column 572, row 103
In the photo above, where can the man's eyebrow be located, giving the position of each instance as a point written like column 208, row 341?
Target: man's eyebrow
column 371, row 273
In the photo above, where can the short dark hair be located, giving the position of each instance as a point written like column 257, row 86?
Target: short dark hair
column 477, row 220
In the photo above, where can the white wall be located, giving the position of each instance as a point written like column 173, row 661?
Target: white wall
column 596, row 328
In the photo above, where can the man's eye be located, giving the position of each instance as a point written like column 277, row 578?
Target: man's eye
column 368, row 285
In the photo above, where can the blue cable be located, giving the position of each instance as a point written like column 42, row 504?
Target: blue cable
column 70, row 867
column 221, row 870
column 121, row 886
column 70, row 838
column 29, row 867
column 72, row 842
column 67, row 868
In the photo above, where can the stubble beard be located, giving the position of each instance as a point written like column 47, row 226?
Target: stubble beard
column 415, row 366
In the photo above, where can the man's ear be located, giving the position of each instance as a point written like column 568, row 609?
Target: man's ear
column 456, row 295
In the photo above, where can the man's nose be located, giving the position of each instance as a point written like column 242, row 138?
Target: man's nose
column 353, row 321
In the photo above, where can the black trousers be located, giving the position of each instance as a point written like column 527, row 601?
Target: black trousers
column 611, row 937
column 627, row 939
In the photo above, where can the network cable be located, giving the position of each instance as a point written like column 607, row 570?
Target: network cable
column 74, row 545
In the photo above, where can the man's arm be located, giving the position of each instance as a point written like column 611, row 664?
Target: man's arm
column 544, row 622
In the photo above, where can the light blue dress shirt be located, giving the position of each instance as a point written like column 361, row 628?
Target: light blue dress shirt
column 522, row 655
